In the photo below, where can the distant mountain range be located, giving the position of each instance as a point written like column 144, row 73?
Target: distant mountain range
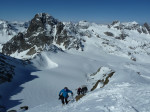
column 44, row 31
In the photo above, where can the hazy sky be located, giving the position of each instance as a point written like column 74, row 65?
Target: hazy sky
column 100, row 11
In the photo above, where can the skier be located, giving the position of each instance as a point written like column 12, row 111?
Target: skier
column 63, row 95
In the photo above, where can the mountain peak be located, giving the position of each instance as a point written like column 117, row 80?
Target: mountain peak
column 40, row 22
column 43, row 14
column 45, row 18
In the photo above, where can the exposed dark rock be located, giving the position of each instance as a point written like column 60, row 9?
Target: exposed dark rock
column 106, row 79
column 24, row 108
column 147, row 27
column 78, row 97
column 133, row 58
column 109, row 34
column 103, row 80
column 31, row 51
column 39, row 22
column 6, row 70
column 96, row 84
column 122, row 35
column 15, row 44
column 144, row 30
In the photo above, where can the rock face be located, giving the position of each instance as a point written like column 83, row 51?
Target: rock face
column 147, row 27
column 6, row 71
column 44, row 30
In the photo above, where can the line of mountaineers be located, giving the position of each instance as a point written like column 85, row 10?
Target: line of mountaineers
column 63, row 94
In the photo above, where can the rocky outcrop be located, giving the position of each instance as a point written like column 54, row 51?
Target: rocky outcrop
column 147, row 27
column 109, row 34
column 101, row 77
column 17, row 43
column 6, row 70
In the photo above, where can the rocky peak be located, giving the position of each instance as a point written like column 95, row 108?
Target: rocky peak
column 44, row 30
column 41, row 22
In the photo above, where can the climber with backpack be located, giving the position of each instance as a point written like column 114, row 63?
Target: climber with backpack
column 63, row 95
column 84, row 89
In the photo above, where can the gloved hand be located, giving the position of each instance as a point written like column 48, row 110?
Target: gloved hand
column 59, row 97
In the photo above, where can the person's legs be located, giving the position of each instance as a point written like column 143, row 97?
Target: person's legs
column 66, row 101
column 62, row 100
column 78, row 92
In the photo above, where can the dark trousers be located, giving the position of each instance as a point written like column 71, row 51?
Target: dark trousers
column 64, row 100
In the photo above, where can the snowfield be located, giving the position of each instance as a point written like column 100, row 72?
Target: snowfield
column 122, row 97
column 127, row 90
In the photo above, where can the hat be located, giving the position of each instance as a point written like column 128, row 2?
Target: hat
column 65, row 88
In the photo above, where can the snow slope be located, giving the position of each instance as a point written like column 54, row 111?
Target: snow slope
column 127, row 90
column 123, row 97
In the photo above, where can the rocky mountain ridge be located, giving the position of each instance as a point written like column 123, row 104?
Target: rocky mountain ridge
column 44, row 30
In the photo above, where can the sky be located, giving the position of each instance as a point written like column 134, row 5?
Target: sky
column 99, row 11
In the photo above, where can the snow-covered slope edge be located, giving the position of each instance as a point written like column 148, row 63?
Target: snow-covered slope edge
column 13, row 73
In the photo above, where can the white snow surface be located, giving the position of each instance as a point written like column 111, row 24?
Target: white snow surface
column 128, row 89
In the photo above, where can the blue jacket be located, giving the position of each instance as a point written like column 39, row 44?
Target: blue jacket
column 65, row 92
